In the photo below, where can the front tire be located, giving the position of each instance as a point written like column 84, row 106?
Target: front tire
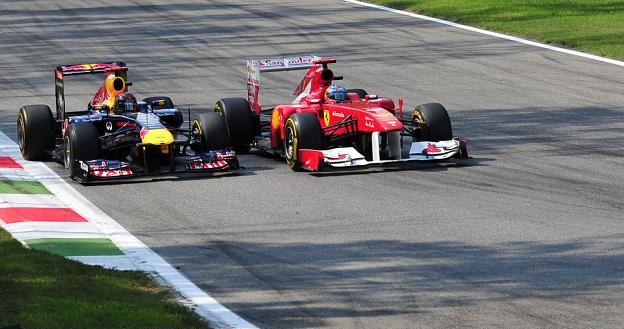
column 211, row 132
column 434, row 122
column 239, row 121
column 35, row 131
column 302, row 131
column 81, row 142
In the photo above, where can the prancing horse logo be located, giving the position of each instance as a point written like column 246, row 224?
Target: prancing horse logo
column 326, row 117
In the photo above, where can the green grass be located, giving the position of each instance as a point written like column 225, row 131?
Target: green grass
column 22, row 187
column 594, row 26
column 42, row 290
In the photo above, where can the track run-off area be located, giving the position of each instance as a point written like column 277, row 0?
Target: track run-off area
column 529, row 233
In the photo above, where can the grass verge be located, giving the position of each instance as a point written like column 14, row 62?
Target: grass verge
column 595, row 26
column 42, row 290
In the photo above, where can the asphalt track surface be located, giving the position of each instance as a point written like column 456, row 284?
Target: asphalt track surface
column 527, row 234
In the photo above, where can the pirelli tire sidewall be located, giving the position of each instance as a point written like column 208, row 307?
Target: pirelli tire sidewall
column 239, row 120
column 81, row 142
column 301, row 131
column 211, row 132
column 437, row 124
column 35, row 131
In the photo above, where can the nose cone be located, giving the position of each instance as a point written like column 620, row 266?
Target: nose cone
column 160, row 136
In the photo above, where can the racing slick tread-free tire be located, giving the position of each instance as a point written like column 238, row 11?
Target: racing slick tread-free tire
column 159, row 102
column 81, row 142
column 239, row 121
column 437, row 122
column 361, row 92
column 211, row 131
column 35, row 131
column 302, row 131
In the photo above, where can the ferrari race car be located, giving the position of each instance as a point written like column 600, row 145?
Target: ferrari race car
column 328, row 126
column 108, row 141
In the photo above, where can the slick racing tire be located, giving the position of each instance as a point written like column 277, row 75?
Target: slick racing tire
column 434, row 122
column 361, row 92
column 302, row 131
column 211, row 132
column 159, row 102
column 239, row 120
column 35, row 131
column 81, row 142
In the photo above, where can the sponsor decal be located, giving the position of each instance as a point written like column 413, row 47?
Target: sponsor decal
column 84, row 166
column 369, row 123
column 392, row 122
column 207, row 165
column 271, row 62
column 126, row 124
column 431, row 148
column 337, row 157
column 285, row 61
column 100, row 97
column 111, row 173
column 109, row 126
column 326, row 117
column 299, row 60
column 338, row 114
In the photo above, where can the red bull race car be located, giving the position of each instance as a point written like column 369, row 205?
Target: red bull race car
column 328, row 126
column 116, row 136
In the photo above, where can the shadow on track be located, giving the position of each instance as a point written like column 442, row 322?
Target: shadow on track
column 333, row 280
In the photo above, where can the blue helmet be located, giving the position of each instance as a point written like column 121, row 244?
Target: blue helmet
column 337, row 92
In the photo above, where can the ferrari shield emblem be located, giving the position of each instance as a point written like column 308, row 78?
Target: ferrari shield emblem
column 326, row 117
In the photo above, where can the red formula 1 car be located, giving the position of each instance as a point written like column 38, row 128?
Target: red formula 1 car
column 327, row 126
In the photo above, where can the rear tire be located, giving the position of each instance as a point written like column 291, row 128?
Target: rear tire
column 437, row 124
column 211, row 132
column 35, row 131
column 81, row 142
column 302, row 131
column 159, row 102
column 239, row 121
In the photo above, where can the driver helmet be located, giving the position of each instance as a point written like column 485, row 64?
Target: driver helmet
column 337, row 92
column 126, row 102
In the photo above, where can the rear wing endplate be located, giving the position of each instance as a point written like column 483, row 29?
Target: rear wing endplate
column 257, row 66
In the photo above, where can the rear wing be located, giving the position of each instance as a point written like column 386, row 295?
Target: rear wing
column 257, row 66
column 118, row 68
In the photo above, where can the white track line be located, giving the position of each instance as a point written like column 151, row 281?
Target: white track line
column 490, row 33
column 121, row 263
column 142, row 257
column 30, row 200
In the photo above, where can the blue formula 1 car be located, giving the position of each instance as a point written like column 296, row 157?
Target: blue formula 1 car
column 118, row 137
